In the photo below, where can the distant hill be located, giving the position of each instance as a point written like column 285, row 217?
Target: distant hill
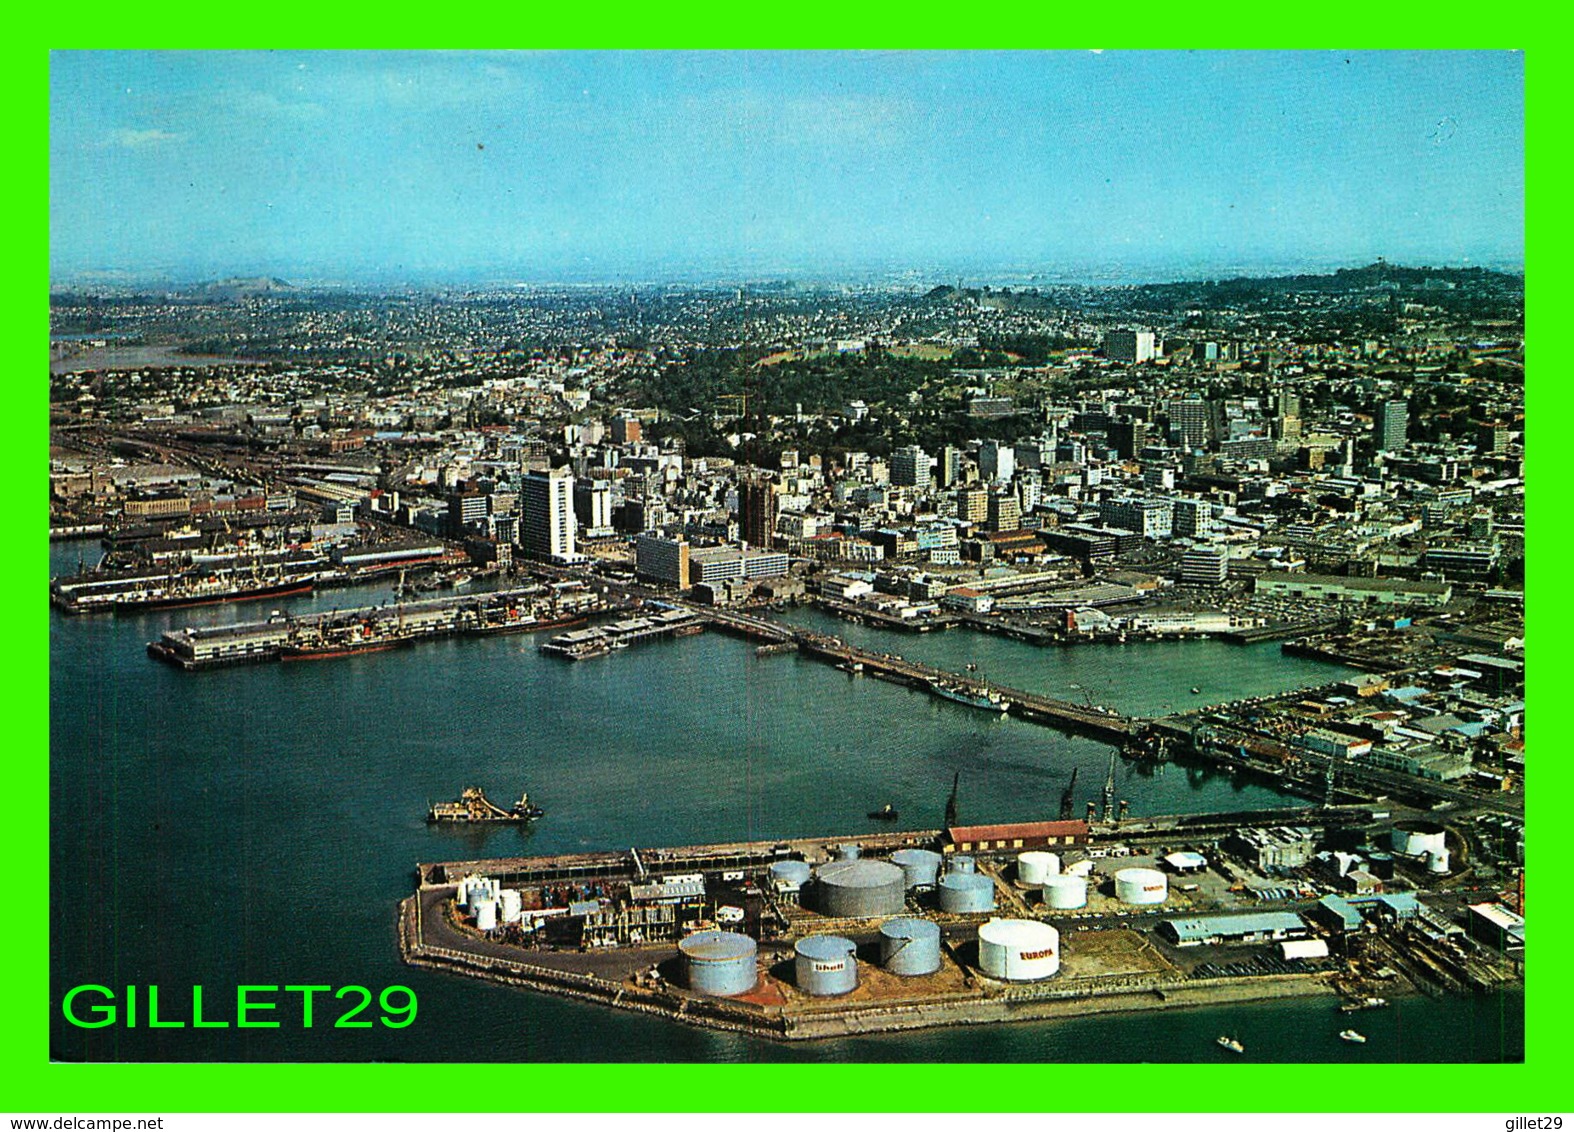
column 1380, row 275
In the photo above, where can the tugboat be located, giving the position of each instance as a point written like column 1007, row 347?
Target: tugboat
column 1352, row 1036
column 1231, row 1044
column 474, row 807
column 886, row 812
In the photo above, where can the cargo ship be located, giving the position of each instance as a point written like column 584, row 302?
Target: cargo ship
column 167, row 591
column 474, row 806
column 336, row 639
column 493, row 622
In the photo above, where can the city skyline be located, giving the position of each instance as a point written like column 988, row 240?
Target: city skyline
column 581, row 167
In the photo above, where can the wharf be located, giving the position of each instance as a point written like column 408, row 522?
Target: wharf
column 1279, row 631
column 861, row 615
column 1022, row 704
column 603, row 639
column 375, row 628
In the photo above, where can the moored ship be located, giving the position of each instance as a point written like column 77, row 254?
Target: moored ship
column 986, row 699
column 168, row 591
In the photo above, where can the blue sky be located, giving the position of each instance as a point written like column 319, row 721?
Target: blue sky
column 454, row 166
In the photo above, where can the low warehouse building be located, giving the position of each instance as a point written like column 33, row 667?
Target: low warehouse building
column 1303, row 949
column 1247, row 927
column 1022, row 835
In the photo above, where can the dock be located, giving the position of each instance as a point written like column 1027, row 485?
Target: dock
column 600, row 640
column 346, row 632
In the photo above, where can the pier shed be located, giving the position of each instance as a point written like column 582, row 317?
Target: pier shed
column 1022, row 835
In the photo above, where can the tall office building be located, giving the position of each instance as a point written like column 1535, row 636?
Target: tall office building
column 1390, row 425
column 757, row 511
column 996, row 461
column 593, row 507
column 1492, row 439
column 1127, row 436
column 1205, row 566
column 972, row 504
column 949, row 466
column 1189, row 422
column 1135, row 346
column 1192, row 518
column 910, row 468
column 1004, row 512
column 547, row 522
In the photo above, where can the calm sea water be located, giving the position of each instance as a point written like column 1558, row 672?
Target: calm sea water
column 258, row 825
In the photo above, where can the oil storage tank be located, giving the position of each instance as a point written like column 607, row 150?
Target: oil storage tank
column 485, row 913
column 921, row 867
column 1018, row 950
column 512, row 905
column 967, row 892
column 860, row 888
column 788, row 877
column 1034, row 866
column 1141, row 886
column 1418, row 838
column 719, row 963
column 825, row 965
column 962, row 864
column 910, row 946
column 1065, row 891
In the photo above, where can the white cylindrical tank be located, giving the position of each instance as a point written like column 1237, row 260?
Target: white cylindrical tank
column 512, row 904
column 1141, row 886
column 486, row 914
column 1418, row 838
column 847, row 852
column 1437, row 861
column 962, row 864
column 1036, row 865
column 1018, row 950
column 1080, row 869
column 1066, row 890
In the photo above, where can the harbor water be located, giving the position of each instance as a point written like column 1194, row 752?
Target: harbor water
column 257, row 825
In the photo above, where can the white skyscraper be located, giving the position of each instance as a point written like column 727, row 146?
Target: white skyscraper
column 548, row 524
column 996, row 461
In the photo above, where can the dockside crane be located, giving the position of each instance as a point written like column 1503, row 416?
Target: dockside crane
column 1066, row 800
column 1109, row 790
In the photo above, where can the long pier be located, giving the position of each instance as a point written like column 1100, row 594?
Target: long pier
column 1023, row 704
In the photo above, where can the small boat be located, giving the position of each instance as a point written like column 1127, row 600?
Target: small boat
column 1196, row 691
column 1231, row 1044
column 886, row 812
column 1363, row 1004
column 1352, row 1036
